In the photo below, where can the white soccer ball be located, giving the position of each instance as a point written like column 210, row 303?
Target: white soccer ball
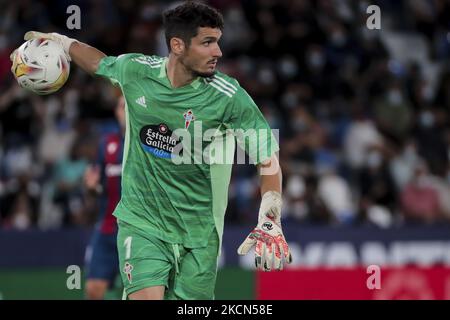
column 40, row 65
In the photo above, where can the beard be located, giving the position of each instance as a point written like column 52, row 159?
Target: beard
column 196, row 73
column 202, row 74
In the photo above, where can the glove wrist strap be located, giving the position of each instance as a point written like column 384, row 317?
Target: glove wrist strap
column 271, row 206
column 65, row 41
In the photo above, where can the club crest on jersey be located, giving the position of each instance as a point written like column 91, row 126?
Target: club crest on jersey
column 127, row 270
column 188, row 118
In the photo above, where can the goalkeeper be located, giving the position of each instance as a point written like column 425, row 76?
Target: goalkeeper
column 171, row 213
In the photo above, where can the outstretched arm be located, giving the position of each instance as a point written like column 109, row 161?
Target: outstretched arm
column 85, row 56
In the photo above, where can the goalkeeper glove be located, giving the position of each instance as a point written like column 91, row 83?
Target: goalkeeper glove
column 64, row 41
column 271, row 250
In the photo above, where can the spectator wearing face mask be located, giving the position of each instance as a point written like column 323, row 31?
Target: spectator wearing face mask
column 423, row 200
column 393, row 113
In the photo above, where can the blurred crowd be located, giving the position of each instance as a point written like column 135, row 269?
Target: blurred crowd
column 363, row 114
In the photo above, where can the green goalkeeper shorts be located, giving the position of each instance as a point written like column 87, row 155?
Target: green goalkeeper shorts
column 146, row 261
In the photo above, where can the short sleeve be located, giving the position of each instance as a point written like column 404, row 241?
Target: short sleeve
column 253, row 133
column 121, row 68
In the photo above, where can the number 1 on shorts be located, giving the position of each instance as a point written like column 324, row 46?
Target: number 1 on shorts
column 127, row 244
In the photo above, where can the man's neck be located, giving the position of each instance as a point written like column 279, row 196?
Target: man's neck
column 177, row 73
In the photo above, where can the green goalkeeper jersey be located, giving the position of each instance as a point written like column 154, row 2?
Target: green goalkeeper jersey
column 179, row 147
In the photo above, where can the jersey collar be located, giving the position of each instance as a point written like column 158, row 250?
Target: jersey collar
column 163, row 74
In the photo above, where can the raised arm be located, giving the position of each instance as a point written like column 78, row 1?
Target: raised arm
column 85, row 56
column 82, row 54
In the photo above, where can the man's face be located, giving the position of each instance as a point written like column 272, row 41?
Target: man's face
column 203, row 52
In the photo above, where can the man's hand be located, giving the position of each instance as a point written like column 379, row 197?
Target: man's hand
column 86, row 57
column 64, row 41
column 272, row 250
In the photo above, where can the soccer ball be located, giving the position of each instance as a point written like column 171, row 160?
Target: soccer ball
column 40, row 65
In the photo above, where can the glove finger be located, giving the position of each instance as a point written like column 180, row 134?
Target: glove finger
column 245, row 247
column 12, row 55
column 287, row 253
column 68, row 57
column 282, row 258
column 35, row 34
column 269, row 256
column 258, row 254
column 289, row 259
column 263, row 265
column 277, row 257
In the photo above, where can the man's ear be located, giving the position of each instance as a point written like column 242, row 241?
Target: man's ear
column 177, row 46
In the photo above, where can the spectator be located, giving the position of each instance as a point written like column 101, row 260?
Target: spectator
column 422, row 199
column 67, row 180
column 335, row 89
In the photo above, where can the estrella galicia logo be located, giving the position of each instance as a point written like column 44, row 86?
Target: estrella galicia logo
column 158, row 140
column 267, row 226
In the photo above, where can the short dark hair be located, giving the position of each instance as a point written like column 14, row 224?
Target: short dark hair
column 184, row 20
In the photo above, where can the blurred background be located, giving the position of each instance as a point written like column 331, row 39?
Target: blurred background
column 364, row 135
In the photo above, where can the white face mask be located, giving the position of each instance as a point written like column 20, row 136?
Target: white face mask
column 288, row 67
column 395, row 97
column 316, row 60
column 426, row 119
column 266, row 76
column 374, row 159
column 290, row 100
column 410, row 153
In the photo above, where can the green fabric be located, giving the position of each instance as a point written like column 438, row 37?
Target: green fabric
column 146, row 261
column 178, row 197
